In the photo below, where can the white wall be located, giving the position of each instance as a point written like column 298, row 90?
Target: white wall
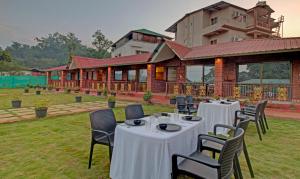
column 132, row 46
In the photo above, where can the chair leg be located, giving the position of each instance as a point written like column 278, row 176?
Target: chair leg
column 258, row 131
column 91, row 154
column 248, row 159
column 235, row 169
column 239, row 168
column 262, row 126
column 265, row 119
column 110, row 153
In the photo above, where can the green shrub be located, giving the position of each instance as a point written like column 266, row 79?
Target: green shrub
column 147, row 96
column 42, row 104
column 111, row 99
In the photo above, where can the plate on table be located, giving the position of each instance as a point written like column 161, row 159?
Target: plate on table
column 168, row 127
column 192, row 118
column 231, row 101
column 135, row 122
column 223, row 102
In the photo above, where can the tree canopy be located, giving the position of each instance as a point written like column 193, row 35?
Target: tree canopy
column 54, row 50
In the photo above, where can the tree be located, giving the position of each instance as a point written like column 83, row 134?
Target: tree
column 72, row 43
column 5, row 56
column 100, row 41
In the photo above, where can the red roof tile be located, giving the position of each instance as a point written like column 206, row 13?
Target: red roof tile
column 59, row 68
column 245, row 47
column 177, row 48
column 84, row 62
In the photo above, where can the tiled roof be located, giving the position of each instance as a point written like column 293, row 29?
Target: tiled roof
column 177, row 48
column 245, row 47
column 59, row 68
column 84, row 62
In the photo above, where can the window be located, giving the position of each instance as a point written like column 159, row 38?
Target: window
column 265, row 73
column 143, row 75
column 200, row 74
column 213, row 42
column 171, row 73
column 214, row 20
column 69, row 76
column 131, row 75
column 94, row 75
column 160, row 73
column 118, row 75
column 140, row 52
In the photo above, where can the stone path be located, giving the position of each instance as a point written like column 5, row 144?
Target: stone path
column 20, row 114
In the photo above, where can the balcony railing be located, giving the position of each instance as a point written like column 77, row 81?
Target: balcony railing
column 128, row 86
column 71, row 84
column 54, row 84
column 194, row 89
column 276, row 92
column 94, row 84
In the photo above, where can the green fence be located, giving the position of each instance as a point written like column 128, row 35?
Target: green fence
column 22, row 81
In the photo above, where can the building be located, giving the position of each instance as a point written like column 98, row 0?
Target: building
column 257, row 67
column 225, row 22
column 137, row 42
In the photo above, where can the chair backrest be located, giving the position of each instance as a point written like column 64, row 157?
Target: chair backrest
column 228, row 152
column 103, row 120
column 242, row 125
column 264, row 105
column 134, row 111
column 258, row 109
column 189, row 99
column 180, row 100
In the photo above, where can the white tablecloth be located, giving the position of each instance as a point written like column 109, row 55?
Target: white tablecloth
column 143, row 153
column 217, row 113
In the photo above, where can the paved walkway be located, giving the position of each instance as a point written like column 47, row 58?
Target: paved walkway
column 19, row 114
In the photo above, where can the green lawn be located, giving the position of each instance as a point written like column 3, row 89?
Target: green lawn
column 59, row 147
column 6, row 95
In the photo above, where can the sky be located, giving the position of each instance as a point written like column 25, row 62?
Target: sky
column 23, row 20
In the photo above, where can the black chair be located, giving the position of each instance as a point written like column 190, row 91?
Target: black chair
column 190, row 105
column 262, row 113
column 198, row 165
column 254, row 115
column 134, row 111
column 243, row 124
column 103, row 124
column 181, row 104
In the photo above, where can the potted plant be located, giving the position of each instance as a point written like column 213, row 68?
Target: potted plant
column 113, row 93
column 99, row 92
column 111, row 101
column 16, row 101
column 26, row 90
column 68, row 91
column 44, row 87
column 173, row 100
column 49, row 88
column 38, row 92
column 87, row 91
column 78, row 99
column 41, row 108
column 76, row 90
column 147, row 97
column 105, row 92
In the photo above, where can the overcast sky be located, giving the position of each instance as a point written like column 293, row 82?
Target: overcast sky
column 22, row 20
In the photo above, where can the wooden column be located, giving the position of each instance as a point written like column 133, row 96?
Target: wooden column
column 109, row 78
column 62, row 78
column 296, row 80
column 219, row 76
column 150, row 76
column 81, row 79
column 48, row 75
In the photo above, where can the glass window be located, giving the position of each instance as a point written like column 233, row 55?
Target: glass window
column 249, row 73
column 214, row 20
column 265, row 73
column 194, row 73
column 69, row 76
column 118, row 75
column 209, row 74
column 171, row 73
column 276, row 73
column 131, row 75
column 143, row 75
column 160, row 73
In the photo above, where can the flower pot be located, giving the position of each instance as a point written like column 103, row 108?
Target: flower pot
column 113, row 93
column 38, row 92
column 49, row 88
column 99, row 93
column 78, row 99
column 26, row 90
column 172, row 101
column 111, row 104
column 68, row 91
column 87, row 92
column 44, row 88
column 16, row 103
column 41, row 112
column 57, row 89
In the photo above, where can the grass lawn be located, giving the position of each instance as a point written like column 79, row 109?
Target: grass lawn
column 6, row 95
column 59, row 147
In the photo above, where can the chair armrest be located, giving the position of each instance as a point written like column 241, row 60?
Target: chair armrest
column 198, row 160
column 251, row 106
column 120, row 122
column 210, row 138
column 222, row 126
column 147, row 115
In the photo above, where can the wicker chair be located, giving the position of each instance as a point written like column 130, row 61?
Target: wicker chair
column 190, row 105
column 181, row 104
column 103, row 124
column 199, row 165
column 134, row 111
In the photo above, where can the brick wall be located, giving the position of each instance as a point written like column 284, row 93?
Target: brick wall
column 296, row 79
